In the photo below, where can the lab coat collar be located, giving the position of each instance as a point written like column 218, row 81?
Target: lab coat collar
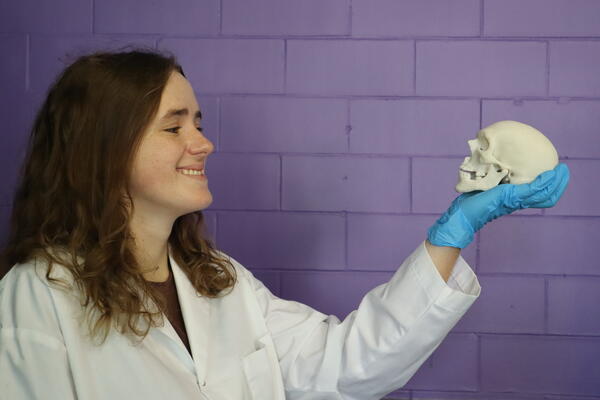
column 196, row 315
column 164, row 340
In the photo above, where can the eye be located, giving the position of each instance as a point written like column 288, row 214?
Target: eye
column 175, row 129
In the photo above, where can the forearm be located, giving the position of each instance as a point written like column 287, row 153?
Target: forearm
column 444, row 258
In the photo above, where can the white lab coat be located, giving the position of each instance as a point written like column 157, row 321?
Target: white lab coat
column 246, row 345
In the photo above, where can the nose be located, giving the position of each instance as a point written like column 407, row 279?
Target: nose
column 200, row 144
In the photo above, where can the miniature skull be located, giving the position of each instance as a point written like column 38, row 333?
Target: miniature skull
column 519, row 150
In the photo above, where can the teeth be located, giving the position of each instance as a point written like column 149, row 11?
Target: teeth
column 473, row 174
column 191, row 171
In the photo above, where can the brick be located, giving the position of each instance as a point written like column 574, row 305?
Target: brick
column 14, row 148
column 571, row 303
column 14, row 113
column 232, row 65
column 336, row 293
column 345, row 183
column 571, row 126
column 382, row 242
column 294, row 240
column 271, row 279
column 452, row 366
column 540, row 364
column 582, row 196
column 344, row 67
column 506, row 305
column 279, row 124
column 541, row 17
column 210, row 224
column 12, row 69
column 415, row 18
column 481, row 68
column 539, row 245
column 49, row 55
column 60, row 16
column 209, row 106
column 573, row 68
column 401, row 394
column 559, row 397
column 243, row 181
column 413, row 127
column 479, row 395
column 434, row 180
column 286, row 17
column 173, row 17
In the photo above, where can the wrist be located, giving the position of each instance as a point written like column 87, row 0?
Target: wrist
column 451, row 230
column 444, row 258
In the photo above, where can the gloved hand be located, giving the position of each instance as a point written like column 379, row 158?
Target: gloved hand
column 470, row 211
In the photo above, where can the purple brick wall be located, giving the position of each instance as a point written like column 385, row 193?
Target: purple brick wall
column 338, row 127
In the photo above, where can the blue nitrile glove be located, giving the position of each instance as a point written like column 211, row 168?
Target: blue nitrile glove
column 470, row 211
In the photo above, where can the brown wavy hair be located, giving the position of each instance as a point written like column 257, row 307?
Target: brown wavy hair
column 70, row 197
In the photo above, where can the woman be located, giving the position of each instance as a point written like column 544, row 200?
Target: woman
column 107, row 238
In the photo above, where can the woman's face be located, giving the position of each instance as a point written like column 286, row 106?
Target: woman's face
column 158, row 184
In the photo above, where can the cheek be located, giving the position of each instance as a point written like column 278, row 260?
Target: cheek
column 153, row 171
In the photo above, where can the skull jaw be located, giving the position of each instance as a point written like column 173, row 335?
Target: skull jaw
column 491, row 179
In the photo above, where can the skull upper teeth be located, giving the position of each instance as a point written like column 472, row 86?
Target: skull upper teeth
column 474, row 174
column 191, row 171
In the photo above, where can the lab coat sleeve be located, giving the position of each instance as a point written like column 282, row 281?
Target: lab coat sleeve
column 378, row 347
column 33, row 365
column 33, row 357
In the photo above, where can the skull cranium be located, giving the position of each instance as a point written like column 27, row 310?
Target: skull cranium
column 505, row 152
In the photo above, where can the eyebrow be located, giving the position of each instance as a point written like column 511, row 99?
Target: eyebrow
column 179, row 112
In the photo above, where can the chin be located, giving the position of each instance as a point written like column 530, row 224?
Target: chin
column 202, row 205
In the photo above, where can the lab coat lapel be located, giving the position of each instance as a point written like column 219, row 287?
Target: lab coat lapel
column 196, row 314
column 168, row 344
column 165, row 341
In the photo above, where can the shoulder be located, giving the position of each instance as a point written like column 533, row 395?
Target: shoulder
column 239, row 268
column 28, row 300
column 24, row 279
column 32, row 275
column 244, row 275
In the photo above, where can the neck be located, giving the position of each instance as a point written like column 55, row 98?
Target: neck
column 151, row 247
column 160, row 275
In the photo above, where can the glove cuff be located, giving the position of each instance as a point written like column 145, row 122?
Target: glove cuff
column 452, row 230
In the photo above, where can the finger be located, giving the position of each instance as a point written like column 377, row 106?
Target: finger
column 556, row 188
column 528, row 193
column 554, row 193
column 551, row 177
column 545, row 192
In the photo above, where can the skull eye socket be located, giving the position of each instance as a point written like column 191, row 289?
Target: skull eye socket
column 483, row 144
